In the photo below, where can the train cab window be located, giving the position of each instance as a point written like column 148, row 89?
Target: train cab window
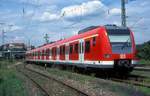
column 76, row 48
column 94, row 41
column 87, row 46
column 71, row 49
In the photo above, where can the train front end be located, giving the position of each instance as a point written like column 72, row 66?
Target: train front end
column 121, row 48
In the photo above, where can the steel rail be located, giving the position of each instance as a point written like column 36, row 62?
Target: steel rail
column 34, row 82
column 61, row 82
column 136, row 83
column 142, row 69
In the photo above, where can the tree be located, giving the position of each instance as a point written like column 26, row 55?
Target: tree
column 144, row 51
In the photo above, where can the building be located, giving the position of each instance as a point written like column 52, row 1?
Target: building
column 13, row 50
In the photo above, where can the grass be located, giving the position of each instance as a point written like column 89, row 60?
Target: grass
column 147, row 79
column 147, row 62
column 10, row 83
column 145, row 90
column 141, row 73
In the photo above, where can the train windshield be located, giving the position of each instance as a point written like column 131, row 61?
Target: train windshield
column 120, row 40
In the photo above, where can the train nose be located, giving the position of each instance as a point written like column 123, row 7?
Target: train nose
column 125, row 63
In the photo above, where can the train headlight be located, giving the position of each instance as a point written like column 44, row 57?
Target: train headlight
column 107, row 55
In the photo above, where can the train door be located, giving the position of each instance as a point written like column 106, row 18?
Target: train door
column 67, row 52
column 81, row 50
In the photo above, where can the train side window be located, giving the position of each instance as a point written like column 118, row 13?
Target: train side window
column 67, row 50
column 36, row 54
column 50, row 51
column 80, row 48
column 41, row 53
column 87, row 46
column 57, row 50
column 47, row 53
column 44, row 53
column 63, row 50
column 94, row 41
column 71, row 49
column 76, row 48
column 53, row 51
column 60, row 50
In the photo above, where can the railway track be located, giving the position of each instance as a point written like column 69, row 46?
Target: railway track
column 81, row 92
column 142, row 69
column 33, row 82
column 133, row 80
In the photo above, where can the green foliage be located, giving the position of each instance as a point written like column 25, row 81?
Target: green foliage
column 143, row 61
column 144, row 51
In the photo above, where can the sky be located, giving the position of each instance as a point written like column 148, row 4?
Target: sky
column 27, row 21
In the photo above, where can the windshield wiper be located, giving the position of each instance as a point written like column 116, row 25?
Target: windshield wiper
column 124, row 44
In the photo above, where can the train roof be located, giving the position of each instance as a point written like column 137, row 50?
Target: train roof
column 87, row 29
column 78, row 36
column 113, row 29
column 84, row 32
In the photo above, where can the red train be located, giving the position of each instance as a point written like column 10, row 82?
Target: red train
column 101, row 47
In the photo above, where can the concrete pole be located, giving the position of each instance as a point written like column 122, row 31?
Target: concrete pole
column 123, row 13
